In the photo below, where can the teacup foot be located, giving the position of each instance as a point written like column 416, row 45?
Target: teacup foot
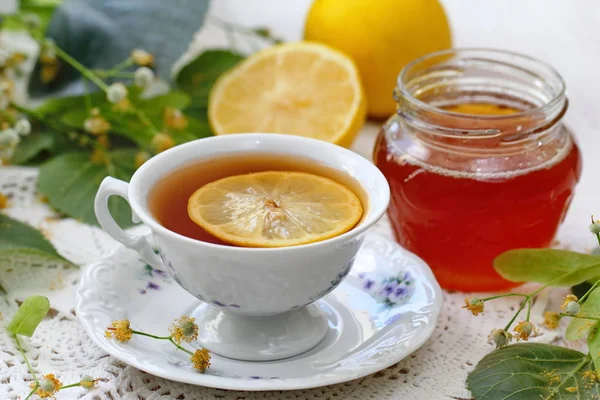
column 267, row 338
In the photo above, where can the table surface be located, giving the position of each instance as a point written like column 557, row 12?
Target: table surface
column 563, row 33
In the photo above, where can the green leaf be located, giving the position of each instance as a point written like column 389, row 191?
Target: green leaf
column 579, row 327
column 42, row 8
column 17, row 235
column 33, row 145
column 594, row 346
column 198, row 76
column 558, row 267
column 525, row 371
column 101, row 34
column 29, row 315
column 71, row 180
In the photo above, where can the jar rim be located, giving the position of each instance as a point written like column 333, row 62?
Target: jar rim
column 559, row 86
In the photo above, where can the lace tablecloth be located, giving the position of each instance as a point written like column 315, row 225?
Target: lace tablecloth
column 439, row 369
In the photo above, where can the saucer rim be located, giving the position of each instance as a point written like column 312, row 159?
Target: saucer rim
column 248, row 384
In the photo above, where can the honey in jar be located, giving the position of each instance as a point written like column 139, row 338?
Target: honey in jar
column 478, row 161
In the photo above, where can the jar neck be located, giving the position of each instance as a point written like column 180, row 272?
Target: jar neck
column 429, row 86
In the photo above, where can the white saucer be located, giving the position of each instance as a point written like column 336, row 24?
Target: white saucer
column 383, row 311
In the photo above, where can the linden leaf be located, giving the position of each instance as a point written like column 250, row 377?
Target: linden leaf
column 71, row 180
column 579, row 327
column 15, row 235
column 594, row 346
column 198, row 76
column 533, row 371
column 29, row 315
column 101, row 34
column 558, row 267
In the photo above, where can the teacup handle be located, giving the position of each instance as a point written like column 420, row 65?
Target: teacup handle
column 115, row 187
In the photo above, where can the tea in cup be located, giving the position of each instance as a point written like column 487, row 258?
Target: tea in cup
column 257, row 294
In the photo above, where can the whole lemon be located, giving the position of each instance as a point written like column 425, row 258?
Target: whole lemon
column 382, row 36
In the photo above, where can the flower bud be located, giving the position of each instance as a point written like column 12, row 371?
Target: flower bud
column 116, row 92
column 572, row 308
column 23, row 127
column 595, row 228
column 143, row 77
column 500, row 338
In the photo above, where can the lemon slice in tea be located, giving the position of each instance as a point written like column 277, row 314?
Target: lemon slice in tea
column 274, row 209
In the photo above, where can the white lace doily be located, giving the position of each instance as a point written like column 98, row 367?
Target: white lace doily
column 60, row 346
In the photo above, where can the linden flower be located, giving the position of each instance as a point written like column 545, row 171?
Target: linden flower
column 474, row 304
column 201, row 360
column 185, row 329
column 116, row 92
column 96, row 124
column 161, row 142
column 120, row 330
column 500, row 338
column 23, row 127
column 175, row 119
column 140, row 158
column 568, row 298
column 570, row 304
column 98, row 156
column 49, row 385
column 524, row 330
column 123, row 105
column 551, row 319
column 589, row 378
column 552, row 376
column 3, row 201
column 143, row 77
column 88, row 382
column 142, row 58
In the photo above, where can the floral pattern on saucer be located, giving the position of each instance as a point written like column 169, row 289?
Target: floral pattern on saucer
column 391, row 291
column 153, row 278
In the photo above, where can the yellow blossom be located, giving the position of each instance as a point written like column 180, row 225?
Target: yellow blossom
column 98, row 156
column 571, row 389
column 142, row 58
column 140, row 158
column 4, row 203
column 48, row 386
column 120, row 330
column 474, row 304
column 161, row 142
column 123, row 106
column 524, row 330
column 184, row 329
column 589, row 378
column 96, row 124
column 174, row 118
column 103, row 141
column 551, row 319
column 49, row 70
column 552, row 376
column 88, row 382
column 201, row 360
column 568, row 298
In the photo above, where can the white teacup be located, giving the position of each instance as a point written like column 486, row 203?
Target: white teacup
column 257, row 302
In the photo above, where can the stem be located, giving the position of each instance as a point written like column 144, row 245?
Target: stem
column 579, row 316
column 72, row 385
column 585, row 296
column 81, row 68
column 140, row 114
column 32, row 391
column 505, row 295
column 116, row 74
column 516, row 314
column 35, row 379
column 152, row 336
column 119, row 67
column 180, row 347
column 528, row 309
column 86, row 96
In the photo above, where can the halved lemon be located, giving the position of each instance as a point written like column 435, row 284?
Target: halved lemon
column 304, row 89
column 274, row 209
